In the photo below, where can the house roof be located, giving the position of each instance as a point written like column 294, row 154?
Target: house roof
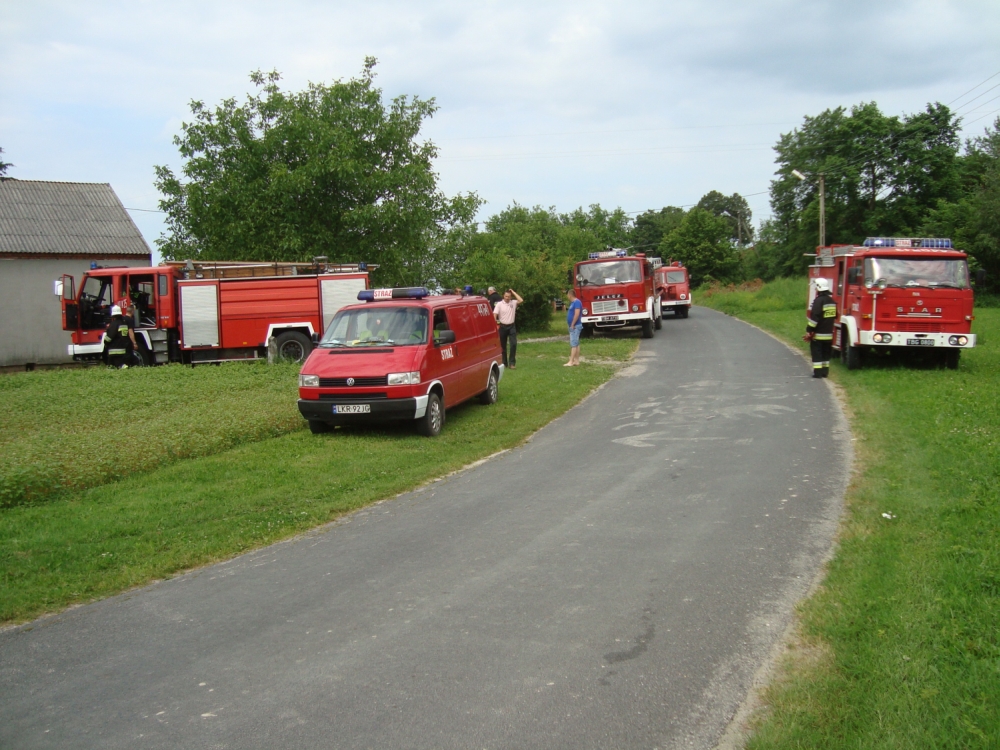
column 83, row 219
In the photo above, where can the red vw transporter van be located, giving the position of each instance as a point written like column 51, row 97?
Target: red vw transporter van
column 402, row 355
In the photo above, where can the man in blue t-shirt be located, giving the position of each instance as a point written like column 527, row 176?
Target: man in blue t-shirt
column 574, row 315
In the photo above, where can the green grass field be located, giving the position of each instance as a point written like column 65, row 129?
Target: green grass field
column 900, row 648
column 188, row 497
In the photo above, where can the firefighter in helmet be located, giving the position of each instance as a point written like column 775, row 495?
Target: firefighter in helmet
column 119, row 339
column 819, row 328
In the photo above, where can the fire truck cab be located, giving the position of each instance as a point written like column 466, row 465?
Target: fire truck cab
column 617, row 291
column 401, row 355
column 898, row 293
column 675, row 289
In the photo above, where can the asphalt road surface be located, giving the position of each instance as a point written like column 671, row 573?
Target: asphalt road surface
column 616, row 582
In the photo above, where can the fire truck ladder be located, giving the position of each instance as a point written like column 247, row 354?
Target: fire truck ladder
column 232, row 269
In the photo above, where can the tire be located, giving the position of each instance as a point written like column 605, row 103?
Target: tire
column 293, row 346
column 658, row 321
column 140, row 357
column 647, row 329
column 491, row 394
column 587, row 332
column 433, row 420
column 682, row 311
column 318, row 428
column 951, row 357
column 663, row 312
column 851, row 355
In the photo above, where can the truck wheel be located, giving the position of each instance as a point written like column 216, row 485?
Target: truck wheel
column 851, row 355
column 318, row 428
column 293, row 346
column 658, row 321
column 587, row 332
column 647, row 329
column 951, row 357
column 433, row 420
column 685, row 310
column 490, row 395
column 663, row 312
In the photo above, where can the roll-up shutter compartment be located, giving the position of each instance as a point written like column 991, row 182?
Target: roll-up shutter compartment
column 199, row 314
column 337, row 293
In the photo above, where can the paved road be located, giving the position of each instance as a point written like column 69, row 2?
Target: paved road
column 615, row 582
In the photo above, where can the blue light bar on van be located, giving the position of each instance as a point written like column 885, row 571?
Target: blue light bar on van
column 608, row 254
column 409, row 292
column 935, row 242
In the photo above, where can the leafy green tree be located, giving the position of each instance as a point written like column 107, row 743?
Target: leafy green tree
column 883, row 175
column 735, row 210
column 650, row 227
column 611, row 228
column 702, row 242
column 332, row 170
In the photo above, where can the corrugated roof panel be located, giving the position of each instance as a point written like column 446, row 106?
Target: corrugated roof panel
column 55, row 218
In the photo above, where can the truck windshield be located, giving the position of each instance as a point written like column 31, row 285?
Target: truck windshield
column 917, row 272
column 609, row 272
column 675, row 277
column 398, row 326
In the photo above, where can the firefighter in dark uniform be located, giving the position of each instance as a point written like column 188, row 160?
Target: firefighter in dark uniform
column 119, row 339
column 819, row 328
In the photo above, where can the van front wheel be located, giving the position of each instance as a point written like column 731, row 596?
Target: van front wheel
column 433, row 420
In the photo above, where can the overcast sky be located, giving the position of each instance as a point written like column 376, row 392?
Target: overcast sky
column 638, row 105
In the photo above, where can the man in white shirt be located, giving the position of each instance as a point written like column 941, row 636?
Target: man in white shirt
column 504, row 312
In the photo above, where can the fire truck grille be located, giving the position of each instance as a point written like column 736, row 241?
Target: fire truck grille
column 606, row 307
column 913, row 325
column 342, row 382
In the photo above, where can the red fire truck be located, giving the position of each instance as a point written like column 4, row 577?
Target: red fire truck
column 675, row 289
column 618, row 290
column 194, row 312
column 898, row 293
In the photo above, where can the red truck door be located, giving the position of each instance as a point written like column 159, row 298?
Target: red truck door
column 70, row 308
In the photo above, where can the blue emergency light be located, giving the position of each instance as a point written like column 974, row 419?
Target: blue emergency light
column 913, row 242
column 608, row 254
column 376, row 295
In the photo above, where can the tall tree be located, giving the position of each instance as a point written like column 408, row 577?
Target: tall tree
column 735, row 210
column 703, row 244
column 650, row 227
column 332, row 170
column 882, row 174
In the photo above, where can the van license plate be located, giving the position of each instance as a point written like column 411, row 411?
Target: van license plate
column 608, row 318
column 920, row 342
column 352, row 408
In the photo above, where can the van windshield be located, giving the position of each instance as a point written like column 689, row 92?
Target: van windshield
column 917, row 272
column 610, row 272
column 398, row 326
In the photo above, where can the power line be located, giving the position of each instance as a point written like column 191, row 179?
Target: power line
column 983, row 117
column 147, row 210
column 976, row 97
column 973, row 88
column 560, row 154
column 611, row 132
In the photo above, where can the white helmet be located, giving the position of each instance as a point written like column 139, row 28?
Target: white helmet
column 116, row 310
column 822, row 285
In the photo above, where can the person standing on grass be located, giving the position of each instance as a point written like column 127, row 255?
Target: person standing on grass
column 119, row 339
column 504, row 311
column 574, row 314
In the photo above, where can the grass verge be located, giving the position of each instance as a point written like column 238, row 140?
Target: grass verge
column 88, row 544
column 900, row 647
column 73, row 429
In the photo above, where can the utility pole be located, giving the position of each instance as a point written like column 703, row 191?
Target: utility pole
column 822, row 209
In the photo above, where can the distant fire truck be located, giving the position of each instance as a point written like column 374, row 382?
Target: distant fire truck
column 675, row 289
column 898, row 293
column 194, row 312
column 618, row 290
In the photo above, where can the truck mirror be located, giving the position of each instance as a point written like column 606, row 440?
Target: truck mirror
column 444, row 337
column 315, row 338
column 67, row 288
column 579, row 278
column 980, row 276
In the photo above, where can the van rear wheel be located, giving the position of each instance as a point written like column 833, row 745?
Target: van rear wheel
column 433, row 420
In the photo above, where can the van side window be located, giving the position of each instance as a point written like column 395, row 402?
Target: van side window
column 440, row 323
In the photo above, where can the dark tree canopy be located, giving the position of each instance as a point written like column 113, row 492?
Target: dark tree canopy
column 702, row 242
column 735, row 210
column 651, row 227
column 332, row 170
column 883, row 175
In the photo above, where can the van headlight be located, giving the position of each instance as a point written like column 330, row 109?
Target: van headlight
column 404, row 378
column 308, row 381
